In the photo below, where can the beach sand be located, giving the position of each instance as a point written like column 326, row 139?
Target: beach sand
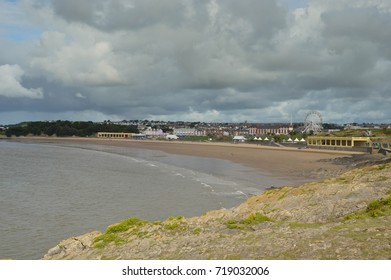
column 301, row 165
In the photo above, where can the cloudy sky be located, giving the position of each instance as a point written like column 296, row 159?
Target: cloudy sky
column 195, row 60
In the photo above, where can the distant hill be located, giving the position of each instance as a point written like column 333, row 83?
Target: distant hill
column 66, row 128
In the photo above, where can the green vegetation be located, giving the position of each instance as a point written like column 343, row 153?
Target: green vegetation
column 379, row 207
column 376, row 208
column 102, row 240
column 66, row 128
column 142, row 234
column 171, row 226
column 253, row 219
column 172, row 218
column 233, row 224
column 382, row 166
column 111, row 232
column 126, row 225
column 197, row 231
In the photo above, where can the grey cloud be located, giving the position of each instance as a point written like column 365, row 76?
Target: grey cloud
column 119, row 14
column 230, row 60
column 366, row 24
column 265, row 17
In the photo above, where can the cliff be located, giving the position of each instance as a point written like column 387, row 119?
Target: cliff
column 346, row 217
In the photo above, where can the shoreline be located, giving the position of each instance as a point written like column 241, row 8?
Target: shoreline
column 298, row 165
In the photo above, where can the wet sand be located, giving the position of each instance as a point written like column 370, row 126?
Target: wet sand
column 294, row 163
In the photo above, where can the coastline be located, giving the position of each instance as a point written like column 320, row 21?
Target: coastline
column 300, row 165
column 313, row 209
column 342, row 218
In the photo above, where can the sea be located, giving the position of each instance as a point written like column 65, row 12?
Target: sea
column 52, row 191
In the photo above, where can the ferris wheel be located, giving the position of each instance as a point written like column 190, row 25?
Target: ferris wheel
column 313, row 122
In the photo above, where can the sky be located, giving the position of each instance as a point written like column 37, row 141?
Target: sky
column 195, row 60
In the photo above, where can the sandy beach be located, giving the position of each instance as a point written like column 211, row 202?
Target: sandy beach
column 298, row 164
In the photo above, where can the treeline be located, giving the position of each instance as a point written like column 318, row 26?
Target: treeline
column 66, row 128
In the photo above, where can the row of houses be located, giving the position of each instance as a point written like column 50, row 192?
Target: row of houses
column 208, row 130
column 278, row 130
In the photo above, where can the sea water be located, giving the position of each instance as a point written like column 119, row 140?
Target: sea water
column 52, row 191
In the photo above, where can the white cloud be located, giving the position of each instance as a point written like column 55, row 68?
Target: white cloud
column 79, row 95
column 10, row 83
column 76, row 63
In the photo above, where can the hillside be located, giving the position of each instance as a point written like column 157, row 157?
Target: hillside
column 347, row 217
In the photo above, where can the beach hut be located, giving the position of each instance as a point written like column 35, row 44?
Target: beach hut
column 239, row 138
column 172, row 137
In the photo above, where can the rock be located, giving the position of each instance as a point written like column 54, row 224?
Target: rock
column 72, row 246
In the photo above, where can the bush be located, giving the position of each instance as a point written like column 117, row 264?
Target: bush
column 126, row 225
column 253, row 219
column 374, row 209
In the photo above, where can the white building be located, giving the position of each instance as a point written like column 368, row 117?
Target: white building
column 150, row 132
column 239, row 138
column 184, row 131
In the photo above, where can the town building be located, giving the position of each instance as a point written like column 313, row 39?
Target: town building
column 270, row 129
column 358, row 143
column 153, row 133
column 117, row 135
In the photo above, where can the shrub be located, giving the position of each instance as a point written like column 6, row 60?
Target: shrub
column 197, row 231
column 253, row 219
column 374, row 209
column 126, row 225
column 171, row 226
column 102, row 240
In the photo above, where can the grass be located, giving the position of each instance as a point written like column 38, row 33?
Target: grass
column 381, row 166
column 142, row 234
column 343, row 180
column 375, row 208
column 253, row 219
column 102, row 240
column 233, row 224
column 111, row 234
column 126, row 225
column 177, row 218
column 171, row 226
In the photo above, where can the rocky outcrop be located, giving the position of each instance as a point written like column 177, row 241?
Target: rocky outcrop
column 347, row 217
column 73, row 244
